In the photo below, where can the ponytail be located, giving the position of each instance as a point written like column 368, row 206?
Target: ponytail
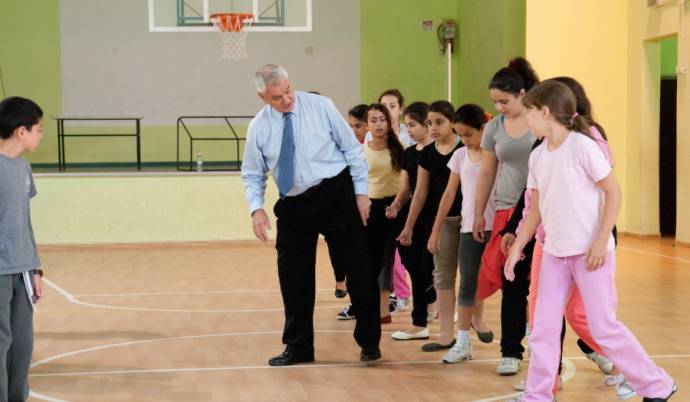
column 561, row 103
column 518, row 76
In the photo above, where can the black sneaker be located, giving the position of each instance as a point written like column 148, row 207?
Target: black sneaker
column 346, row 313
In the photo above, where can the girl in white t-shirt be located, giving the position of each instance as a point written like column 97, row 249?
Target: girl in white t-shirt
column 468, row 123
column 567, row 175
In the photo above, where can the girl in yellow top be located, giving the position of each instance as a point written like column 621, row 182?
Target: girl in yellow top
column 384, row 155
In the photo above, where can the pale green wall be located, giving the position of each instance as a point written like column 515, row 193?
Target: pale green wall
column 158, row 144
column 669, row 56
column 137, row 209
column 397, row 53
column 491, row 33
column 30, row 61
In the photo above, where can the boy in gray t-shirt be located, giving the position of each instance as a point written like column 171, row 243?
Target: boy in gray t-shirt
column 20, row 276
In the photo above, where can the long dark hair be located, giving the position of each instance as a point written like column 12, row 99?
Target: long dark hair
column 417, row 111
column 517, row 76
column 584, row 106
column 395, row 148
column 561, row 103
column 471, row 115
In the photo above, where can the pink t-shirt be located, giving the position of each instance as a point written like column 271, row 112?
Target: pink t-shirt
column 461, row 164
column 569, row 199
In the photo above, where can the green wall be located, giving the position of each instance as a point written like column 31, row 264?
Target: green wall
column 491, row 33
column 30, row 61
column 395, row 52
column 669, row 56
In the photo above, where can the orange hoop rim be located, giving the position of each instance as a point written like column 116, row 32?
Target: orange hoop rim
column 231, row 22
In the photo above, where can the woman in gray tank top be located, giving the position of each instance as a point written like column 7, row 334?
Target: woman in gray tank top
column 506, row 143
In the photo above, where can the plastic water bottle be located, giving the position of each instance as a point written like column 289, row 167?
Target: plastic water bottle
column 199, row 162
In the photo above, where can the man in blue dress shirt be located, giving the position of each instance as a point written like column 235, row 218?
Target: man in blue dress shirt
column 321, row 174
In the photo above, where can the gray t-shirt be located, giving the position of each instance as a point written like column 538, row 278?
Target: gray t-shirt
column 513, row 157
column 17, row 242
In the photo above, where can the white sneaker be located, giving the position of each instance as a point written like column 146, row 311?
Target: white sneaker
column 611, row 380
column 458, row 353
column 521, row 386
column 403, row 304
column 508, row 366
column 623, row 389
column 604, row 363
column 408, row 336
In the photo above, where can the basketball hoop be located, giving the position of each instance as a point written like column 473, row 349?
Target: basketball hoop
column 233, row 33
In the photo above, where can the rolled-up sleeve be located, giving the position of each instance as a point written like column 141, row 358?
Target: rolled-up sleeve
column 254, row 169
column 351, row 148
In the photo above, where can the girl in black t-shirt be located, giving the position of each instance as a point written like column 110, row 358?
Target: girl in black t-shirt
column 415, row 257
column 432, row 177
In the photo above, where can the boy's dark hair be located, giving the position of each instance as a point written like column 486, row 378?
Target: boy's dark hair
column 517, row 76
column 470, row 115
column 393, row 92
column 18, row 112
column 359, row 112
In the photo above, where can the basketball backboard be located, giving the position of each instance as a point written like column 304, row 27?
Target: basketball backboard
column 193, row 15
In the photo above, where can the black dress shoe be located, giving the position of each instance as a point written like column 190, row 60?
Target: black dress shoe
column 339, row 293
column 370, row 353
column 288, row 358
column 673, row 391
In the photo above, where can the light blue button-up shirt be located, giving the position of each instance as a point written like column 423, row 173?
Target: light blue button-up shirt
column 324, row 146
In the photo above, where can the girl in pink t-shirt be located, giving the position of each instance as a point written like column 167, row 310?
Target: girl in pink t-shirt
column 567, row 175
column 468, row 123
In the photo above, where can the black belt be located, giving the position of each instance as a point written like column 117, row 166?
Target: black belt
column 313, row 190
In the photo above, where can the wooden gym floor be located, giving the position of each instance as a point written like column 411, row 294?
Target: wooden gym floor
column 197, row 322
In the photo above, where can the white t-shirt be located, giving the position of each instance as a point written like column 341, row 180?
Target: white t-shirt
column 569, row 199
column 461, row 164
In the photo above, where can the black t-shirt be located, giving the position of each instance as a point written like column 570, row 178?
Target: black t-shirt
column 437, row 166
column 410, row 161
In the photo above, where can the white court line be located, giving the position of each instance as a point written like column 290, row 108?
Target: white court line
column 670, row 257
column 72, row 299
column 45, row 397
column 178, row 338
column 211, row 292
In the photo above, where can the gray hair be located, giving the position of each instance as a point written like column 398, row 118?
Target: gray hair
column 269, row 75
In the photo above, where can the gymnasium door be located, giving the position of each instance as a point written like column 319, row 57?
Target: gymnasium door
column 667, row 157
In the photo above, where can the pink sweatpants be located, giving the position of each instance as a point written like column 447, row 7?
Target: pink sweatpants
column 598, row 292
column 574, row 310
column 400, row 284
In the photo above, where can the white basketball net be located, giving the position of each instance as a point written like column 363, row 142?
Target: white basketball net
column 233, row 35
